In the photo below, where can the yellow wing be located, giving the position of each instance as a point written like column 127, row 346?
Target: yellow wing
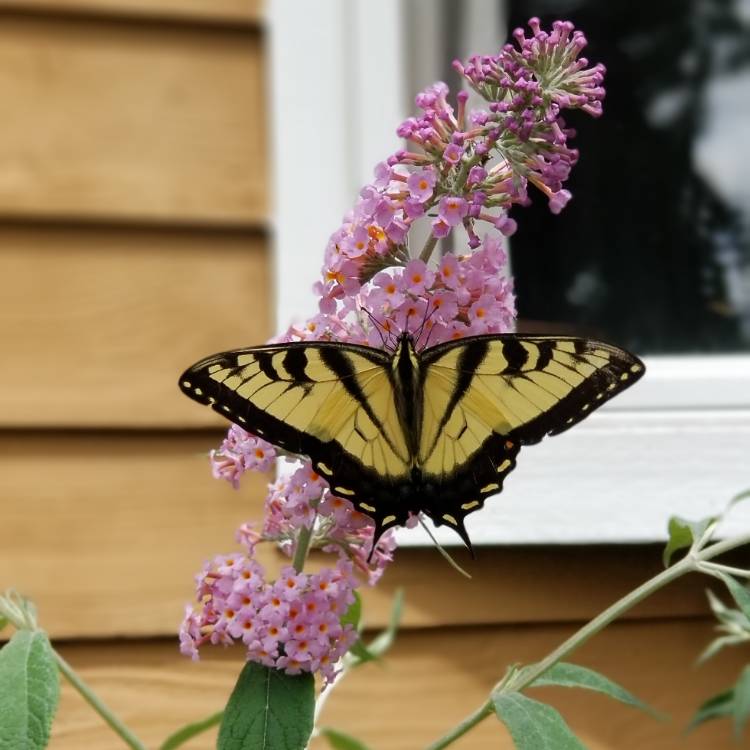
column 330, row 401
column 517, row 387
column 486, row 396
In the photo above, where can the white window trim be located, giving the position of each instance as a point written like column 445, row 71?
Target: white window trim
column 678, row 442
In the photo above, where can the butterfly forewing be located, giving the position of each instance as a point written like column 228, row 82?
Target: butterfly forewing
column 485, row 396
column 332, row 402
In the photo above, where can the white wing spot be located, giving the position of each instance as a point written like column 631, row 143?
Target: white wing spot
column 449, row 518
column 489, row 488
column 624, row 376
column 367, row 507
column 325, row 470
column 343, row 491
column 388, row 520
column 187, row 384
column 469, row 506
column 503, row 466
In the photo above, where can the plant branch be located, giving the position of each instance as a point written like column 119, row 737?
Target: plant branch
column 98, row 705
column 429, row 246
column 303, row 546
column 525, row 677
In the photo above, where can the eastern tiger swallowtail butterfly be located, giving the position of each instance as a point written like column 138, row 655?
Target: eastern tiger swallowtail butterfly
column 433, row 431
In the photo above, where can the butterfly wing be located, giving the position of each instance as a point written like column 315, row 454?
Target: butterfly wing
column 486, row 396
column 330, row 401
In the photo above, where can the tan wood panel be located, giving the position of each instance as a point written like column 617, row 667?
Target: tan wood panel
column 247, row 11
column 429, row 681
column 98, row 325
column 131, row 121
column 105, row 532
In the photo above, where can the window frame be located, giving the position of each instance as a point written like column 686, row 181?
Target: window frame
column 336, row 75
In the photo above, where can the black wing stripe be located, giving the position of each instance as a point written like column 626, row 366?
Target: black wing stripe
column 546, row 350
column 295, row 361
column 471, row 357
column 516, row 356
column 343, row 369
column 263, row 358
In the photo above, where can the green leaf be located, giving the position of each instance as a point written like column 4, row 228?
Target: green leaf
column 717, row 645
column 739, row 498
column 719, row 705
column 384, row 640
column 340, row 741
column 190, row 730
column 682, row 534
column 726, row 615
column 353, row 615
column 29, row 691
column 3, row 622
column 741, row 702
column 573, row 675
column 740, row 593
column 534, row 725
column 268, row 710
column 361, row 654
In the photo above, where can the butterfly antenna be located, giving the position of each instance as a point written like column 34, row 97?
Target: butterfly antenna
column 379, row 328
column 429, row 312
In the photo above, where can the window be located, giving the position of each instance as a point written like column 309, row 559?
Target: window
column 652, row 254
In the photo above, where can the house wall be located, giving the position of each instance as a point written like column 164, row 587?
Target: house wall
column 133, row 240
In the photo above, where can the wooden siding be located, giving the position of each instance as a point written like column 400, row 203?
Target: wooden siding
column 118, row 120
column 98, row 323
column 431, row 680
column 207, row 12
column 133, row 240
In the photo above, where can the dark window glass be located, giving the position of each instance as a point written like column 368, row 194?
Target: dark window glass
column 653, row 253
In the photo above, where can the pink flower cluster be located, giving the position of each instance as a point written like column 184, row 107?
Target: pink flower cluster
column 241, row 452
column 465, row 295
column 303, row 499
column 470, row 166
column 293, row 623
column 465, row 170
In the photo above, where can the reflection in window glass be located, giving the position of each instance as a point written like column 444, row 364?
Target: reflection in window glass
column 654, row 251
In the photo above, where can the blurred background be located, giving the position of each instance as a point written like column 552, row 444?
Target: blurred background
column 169, row 173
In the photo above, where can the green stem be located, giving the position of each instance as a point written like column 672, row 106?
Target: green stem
column 303, row 546
column 711, row 568
column 463, row 174
column 690, row 563
column 96, row 703
column 429, row 246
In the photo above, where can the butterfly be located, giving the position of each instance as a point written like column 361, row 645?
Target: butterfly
column 406, row 431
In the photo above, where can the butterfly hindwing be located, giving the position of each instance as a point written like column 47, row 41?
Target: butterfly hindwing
column 332, row 402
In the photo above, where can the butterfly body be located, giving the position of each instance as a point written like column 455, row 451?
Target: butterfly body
column 433, row 431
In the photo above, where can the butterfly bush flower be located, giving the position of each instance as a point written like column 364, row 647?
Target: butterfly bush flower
column 466, row 167
column 461, row 169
